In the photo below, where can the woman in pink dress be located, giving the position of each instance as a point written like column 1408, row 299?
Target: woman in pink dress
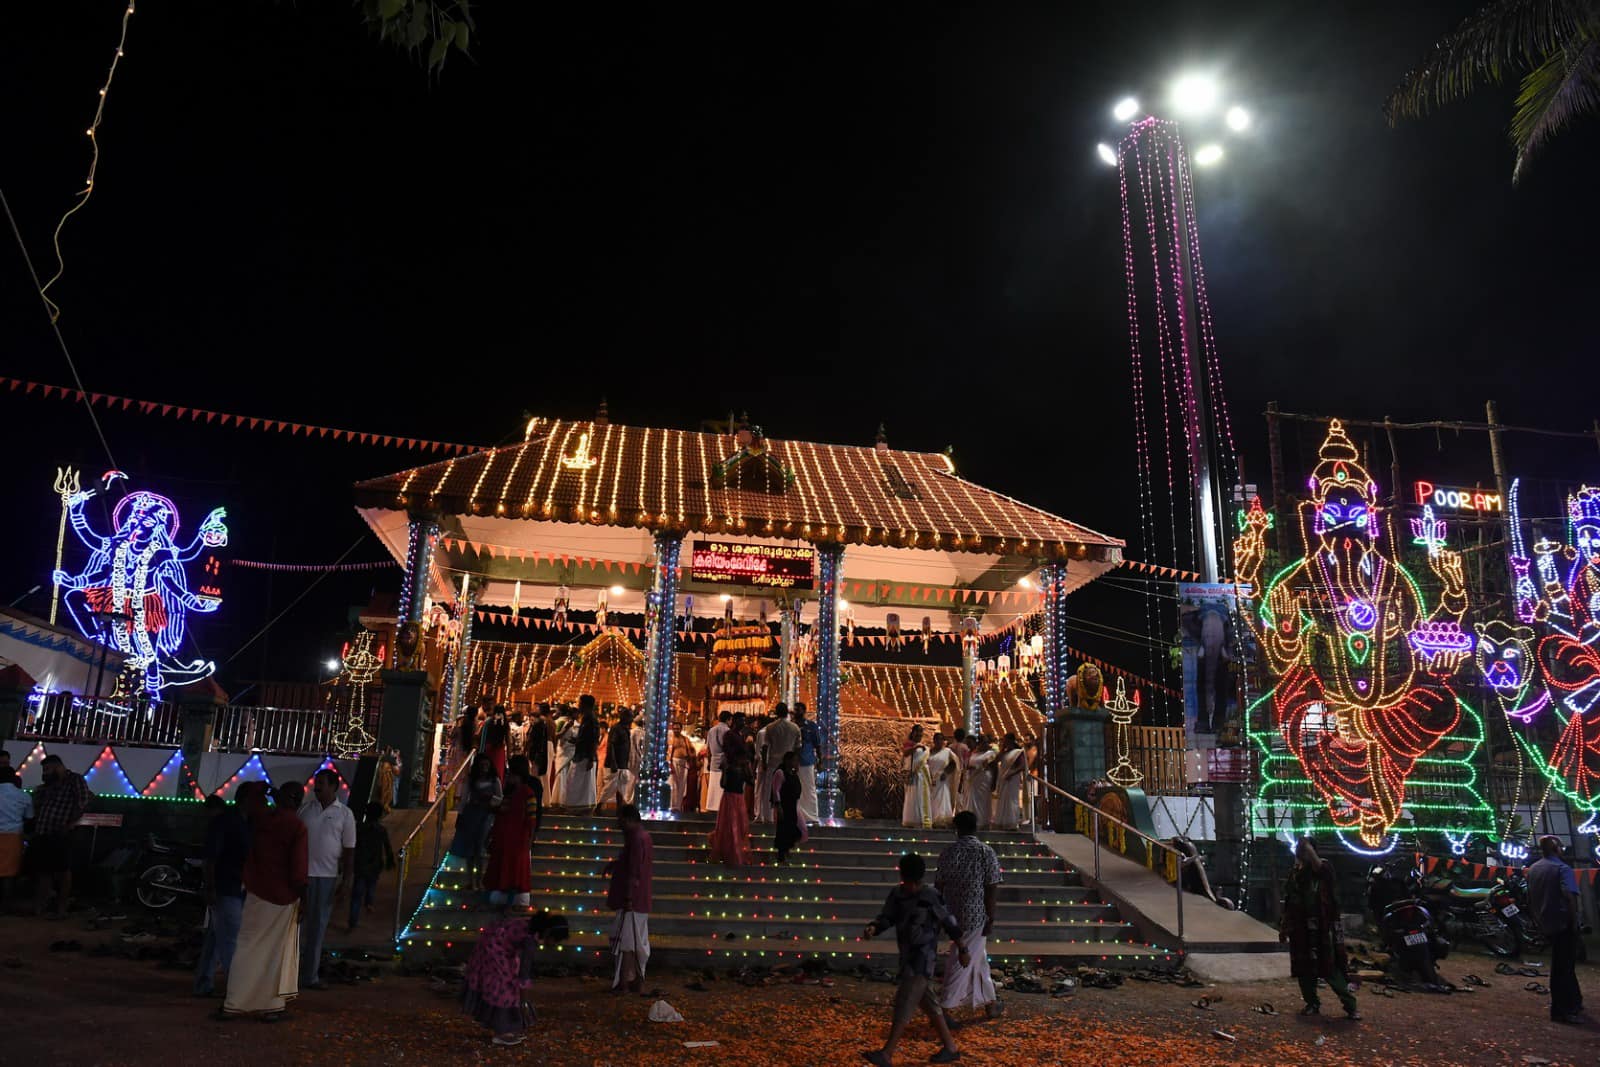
column 730, row 841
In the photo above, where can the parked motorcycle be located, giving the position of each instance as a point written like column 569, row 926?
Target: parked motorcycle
column 1488, row 913
column 169, row 872
column 1411, row 935
column 1510, row 900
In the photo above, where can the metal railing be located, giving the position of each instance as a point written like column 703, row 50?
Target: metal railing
column 235, row 727
column 402, row 856
column 1097, row 825
column 64, row 717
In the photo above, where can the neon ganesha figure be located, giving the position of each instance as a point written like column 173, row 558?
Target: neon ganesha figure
column 1349, row 636
column 137, row 575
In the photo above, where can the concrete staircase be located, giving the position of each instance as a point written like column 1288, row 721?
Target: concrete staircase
column 814, row 906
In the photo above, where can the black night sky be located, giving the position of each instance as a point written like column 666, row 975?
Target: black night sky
column 825, row 215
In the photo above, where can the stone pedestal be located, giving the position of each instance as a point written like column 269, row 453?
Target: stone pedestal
column 404, row 724
column 1080, row 748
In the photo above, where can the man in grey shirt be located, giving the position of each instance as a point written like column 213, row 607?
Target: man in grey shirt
column 1553, row 899
column 783, row 737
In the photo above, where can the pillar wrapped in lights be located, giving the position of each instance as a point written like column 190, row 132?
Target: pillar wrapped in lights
column 830, row 559
column 788, row 654
column 463, row 652
column 969, row 675
column 423, row 530
column 655, row 775
column 1055, row 668
column 1053, row 583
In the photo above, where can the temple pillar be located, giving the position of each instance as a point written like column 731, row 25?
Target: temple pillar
column 656, row 774
column 457, row 688
column 788, row 630
column 1056, row 669
column 424, row 530
column 971, row 716
column 830, row 560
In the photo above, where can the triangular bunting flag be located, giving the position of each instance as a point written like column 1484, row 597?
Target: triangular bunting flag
column 251, row 771
column 106, row 777
column 328, row 765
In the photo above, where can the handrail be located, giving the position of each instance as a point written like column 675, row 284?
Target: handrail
column 1134, row 830
column 402, row 855
column 1094, row 836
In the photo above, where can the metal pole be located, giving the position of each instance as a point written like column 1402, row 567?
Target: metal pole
column 1095, row 819
column 1181, row 861
column 1497, row 461
column 1275, row 452
column 1195, row 377
column 400, row 888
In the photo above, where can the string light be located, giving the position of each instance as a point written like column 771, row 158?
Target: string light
column 94, row 164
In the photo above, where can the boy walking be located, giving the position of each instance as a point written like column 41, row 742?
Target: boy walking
column 917, row 914
column 374, row 855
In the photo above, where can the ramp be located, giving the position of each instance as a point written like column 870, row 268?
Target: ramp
column 1149, row 903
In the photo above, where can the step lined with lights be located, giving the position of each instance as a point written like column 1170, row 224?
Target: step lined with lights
column 815, row 905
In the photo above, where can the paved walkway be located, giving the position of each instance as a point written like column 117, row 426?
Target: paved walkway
column 1150, row 902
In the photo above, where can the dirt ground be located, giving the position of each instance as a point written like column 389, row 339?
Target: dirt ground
column 80, row 1007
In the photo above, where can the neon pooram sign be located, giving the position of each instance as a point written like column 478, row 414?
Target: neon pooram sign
column 1451, row 498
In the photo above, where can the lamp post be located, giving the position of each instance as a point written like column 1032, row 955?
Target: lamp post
column 1198, row 99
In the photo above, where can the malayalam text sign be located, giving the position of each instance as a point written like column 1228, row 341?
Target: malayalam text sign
column 740, row 563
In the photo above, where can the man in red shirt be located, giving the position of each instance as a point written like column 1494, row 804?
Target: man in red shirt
column 265, row 974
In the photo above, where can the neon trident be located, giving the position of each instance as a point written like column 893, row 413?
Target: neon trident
column 67, row 487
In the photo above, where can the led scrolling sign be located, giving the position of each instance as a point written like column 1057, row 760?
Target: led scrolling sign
column 740, row 563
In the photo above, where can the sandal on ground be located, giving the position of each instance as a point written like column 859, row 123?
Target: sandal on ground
column 1535, row 987
column 1473, row 979
column 1266, row 1008
column 1204, row 1003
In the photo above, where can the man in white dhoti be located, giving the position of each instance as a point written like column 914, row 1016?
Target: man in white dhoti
column 632, row 874
column 618, row 761
column 714, row 762
column 265, row 973
column 682, row 753
column 810, row 752
column 969, row 874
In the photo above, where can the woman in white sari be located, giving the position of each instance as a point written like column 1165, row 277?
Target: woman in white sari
column 918, row 807
column 978, row 796
column 1011, row 772
column 941, row 772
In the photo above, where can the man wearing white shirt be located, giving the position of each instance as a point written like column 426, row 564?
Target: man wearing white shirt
column 714, row 762
column 330, row 859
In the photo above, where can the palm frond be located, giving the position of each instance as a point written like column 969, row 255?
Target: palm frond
column 1503, row 37
column 1564, row 86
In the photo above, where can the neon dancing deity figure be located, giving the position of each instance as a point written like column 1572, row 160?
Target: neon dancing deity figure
column 1347, row 632
column 1565, row 614
column 135, row 581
